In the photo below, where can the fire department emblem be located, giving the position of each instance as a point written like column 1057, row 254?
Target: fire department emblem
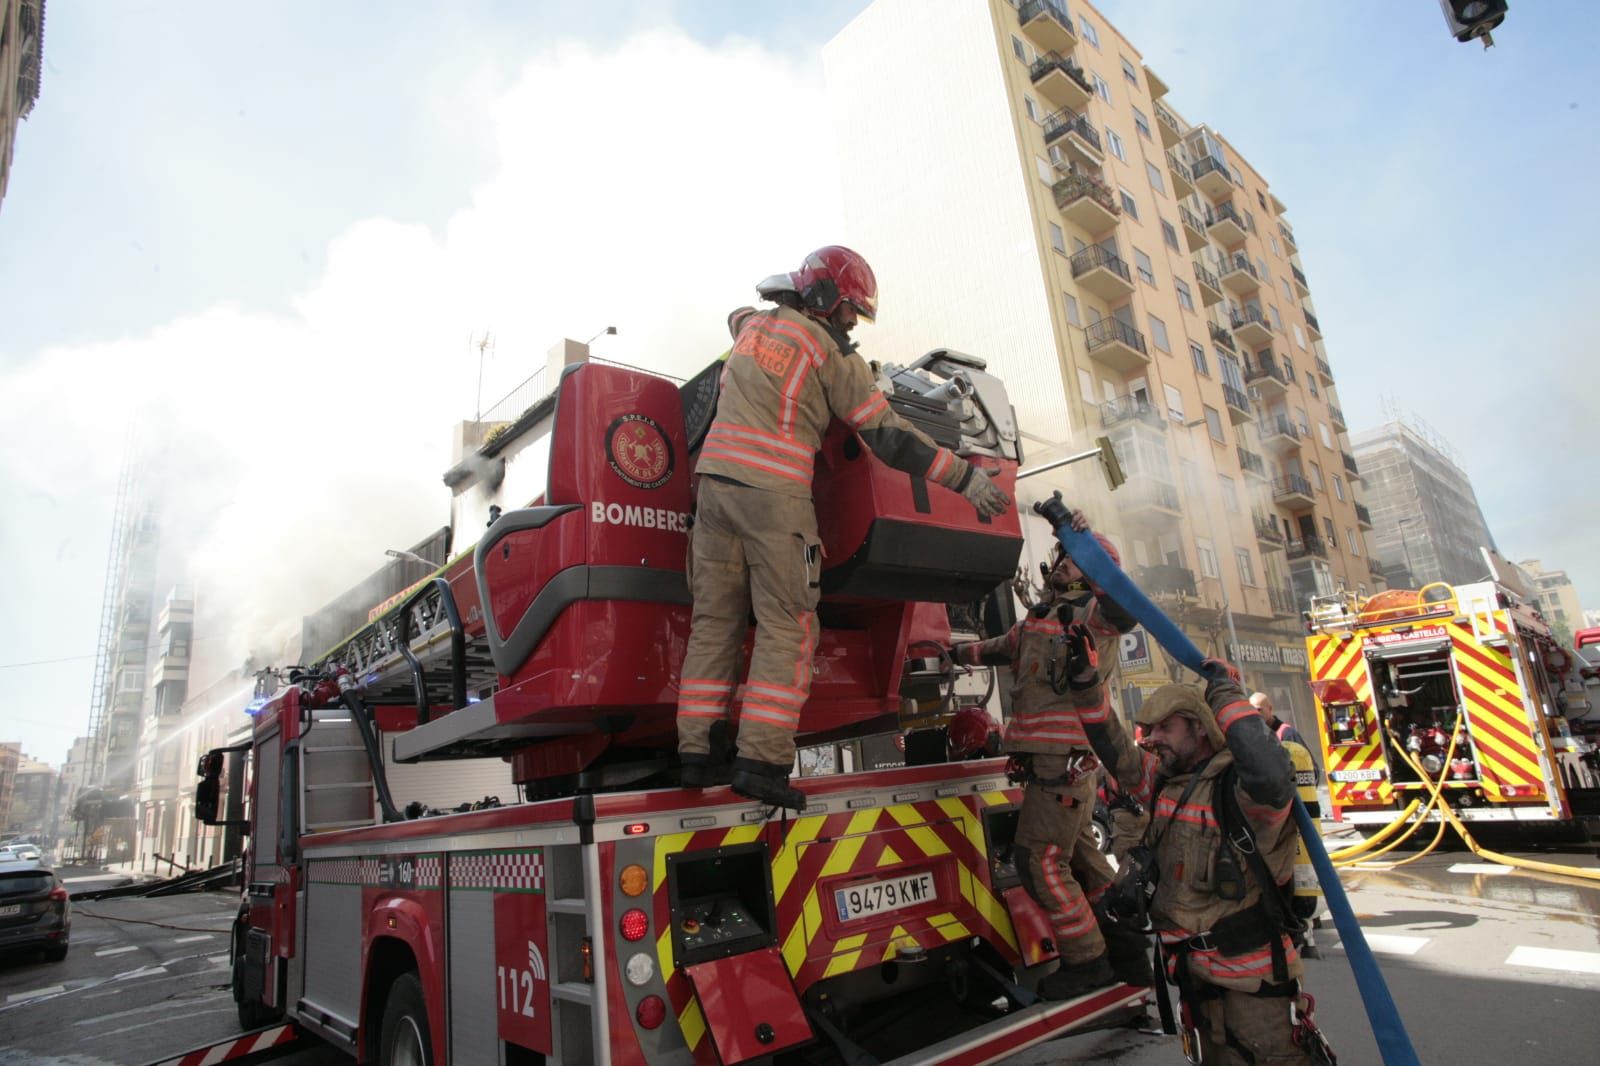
column 639, row 452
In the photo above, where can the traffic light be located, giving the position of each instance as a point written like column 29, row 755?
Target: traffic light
column 1473, row 18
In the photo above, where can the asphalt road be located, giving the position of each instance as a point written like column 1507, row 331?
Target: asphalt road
column 1486, row 964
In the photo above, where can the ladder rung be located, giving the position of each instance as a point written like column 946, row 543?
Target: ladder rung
column 573, row 992
column 334, row 747
column 567, row 906
column 339, row 784
column 346, row 824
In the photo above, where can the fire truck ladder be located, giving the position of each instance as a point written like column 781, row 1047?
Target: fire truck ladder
column 577, row 946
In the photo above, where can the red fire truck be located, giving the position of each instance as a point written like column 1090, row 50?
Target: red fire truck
column 586, row 910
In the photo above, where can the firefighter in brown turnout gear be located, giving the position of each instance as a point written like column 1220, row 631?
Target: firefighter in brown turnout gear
column 1215, row 872
column 754, row 544
column 1056, row 653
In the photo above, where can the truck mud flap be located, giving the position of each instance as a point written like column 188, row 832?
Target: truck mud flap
column 750, row 1005
column 1025, row 1028
column 1035, row 935
column 240, row 1049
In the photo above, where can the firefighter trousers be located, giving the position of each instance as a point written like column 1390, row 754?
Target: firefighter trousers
column 1242, row 1029
column 750, row 550
column 1057, row 860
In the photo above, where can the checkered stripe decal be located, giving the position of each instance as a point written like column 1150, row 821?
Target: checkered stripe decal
column 503, row 871
column 344, row 871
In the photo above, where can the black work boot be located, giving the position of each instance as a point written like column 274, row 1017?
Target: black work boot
column 1127, row 951
column 1077, row 979
column 692, row 770
column 767, row 783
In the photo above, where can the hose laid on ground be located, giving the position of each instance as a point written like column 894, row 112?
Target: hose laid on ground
column 1387, row 1029
column 1435, row 800
column 1376, row 838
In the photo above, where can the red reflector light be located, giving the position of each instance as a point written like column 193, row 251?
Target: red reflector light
column 633, row 829
column 635, row 924
column 59, row 894
column 652, row 1012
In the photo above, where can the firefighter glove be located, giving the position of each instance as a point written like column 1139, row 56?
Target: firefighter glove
column 1083, row 660
column 989, row 499
column 1222, row 686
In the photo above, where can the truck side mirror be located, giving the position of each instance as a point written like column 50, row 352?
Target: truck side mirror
column 208, row 792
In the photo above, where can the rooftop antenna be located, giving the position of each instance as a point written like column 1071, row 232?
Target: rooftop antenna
column 483, row 345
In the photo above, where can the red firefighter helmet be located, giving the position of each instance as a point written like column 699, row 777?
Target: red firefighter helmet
column 834, row 275
column 968, row 732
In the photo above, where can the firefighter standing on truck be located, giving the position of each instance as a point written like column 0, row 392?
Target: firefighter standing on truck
column 1216, row 871
column 1056, row 857
column 754, row 545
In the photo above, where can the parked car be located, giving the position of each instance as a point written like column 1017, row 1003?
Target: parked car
column 27, row 851
column 35, row 913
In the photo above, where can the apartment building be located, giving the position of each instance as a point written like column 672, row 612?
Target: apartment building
column 1558, row 598
column 21, row 56
column 1427, row 522
column 1028, row 192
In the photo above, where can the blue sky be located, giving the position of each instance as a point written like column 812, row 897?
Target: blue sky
column 252, row 226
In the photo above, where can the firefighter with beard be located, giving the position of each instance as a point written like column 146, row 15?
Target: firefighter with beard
column 1057, row 691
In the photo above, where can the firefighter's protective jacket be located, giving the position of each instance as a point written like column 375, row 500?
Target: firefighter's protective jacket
column 1187, row 841
column 784, row 382
column 1044, row 720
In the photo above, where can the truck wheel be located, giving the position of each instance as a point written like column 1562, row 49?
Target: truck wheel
column 405, row 1040
column 1102, row 835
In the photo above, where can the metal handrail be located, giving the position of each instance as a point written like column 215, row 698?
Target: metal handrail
column 1205, row 277
column 1206, row 164
column 1291, row 485
column 1299, row 275
column 1267, row 528
column 1307, row 545
column 1168, row 119
column 1026, row 13
column 1130, row 409
column 1218, row 334
column 1311, row 320
column 1234, row 397
column 1323, row 368
column 1094, row 256
column 1252, row 463
column 1265, row 367
column 1074, row 186
column 1217, row 212
column 1279, row 426
column 1189, row 218
column 1336, row 413
column 1059, row 123
column 1056, row 61
column 1350, row 464
column 1239, row 318
column 1240, row 261
column 1111, row 330
column 1179, row 167
column 1363, row 515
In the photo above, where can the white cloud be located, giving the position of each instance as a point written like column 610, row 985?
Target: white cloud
column 646, row 187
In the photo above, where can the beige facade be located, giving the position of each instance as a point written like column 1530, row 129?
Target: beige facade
column 1027, row 193
column 1558, row 599
column 21, row 47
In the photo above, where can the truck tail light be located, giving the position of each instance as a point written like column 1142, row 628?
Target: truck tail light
column 635, row 923
column 634, row 880
column 652, row 1012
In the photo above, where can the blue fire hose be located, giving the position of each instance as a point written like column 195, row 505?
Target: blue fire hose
column 1394, row 1043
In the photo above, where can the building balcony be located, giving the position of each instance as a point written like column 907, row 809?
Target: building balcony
column 1268, row 531
column 1282, row 599
column 1324, row 371
column 1211, row 292
column 1267, row 376
column 1135, row 409
column 170, row 669
column 1307, row 547
column 1278, row 434
column 1061, row 81
column 1238, row 404
column 1238, row 276
column 1157, row 84
column 1074, row 133
column 1223, row 223
column 1300, row 285
column 1221, row 336
column 1117, row 345
column 1336, row 415
column 1153, row 500
column 1312, row 325
column 1211, row 177
column 1102, row 273
column 1288, row 237
column 1182, row 176
column 1194, row 231
column 1350, row 464
column 1363, row 516
column 1171, row 129
column 1165, row 581
column 1086, row 203
column 1252, row 464
column 1048, row 25
column 1250, row 326
column 1294, row 492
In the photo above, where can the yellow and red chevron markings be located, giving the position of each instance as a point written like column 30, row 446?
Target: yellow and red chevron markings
column 944, row 835
column 1334, row 659
column 1498, row 720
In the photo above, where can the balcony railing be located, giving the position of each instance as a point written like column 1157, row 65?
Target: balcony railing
column 1234, row 397
column 1288, row 235
column 1131, row 409
column 1179, row 167
column 1075, row 187
column 1057, row 27
column 1282, row 599
column 1311, row 320
column 1222, row 212
column 1144, row 491
column 1114, row 331
column 1324, row 369
column 1056, row 61
column 1221, row 336
column 1278, row 426
column 1169, row 120
column 1095, row 256
column 1246, row 316
column 1290, row 486
column 1336, row 413
column 1363, row 515
column 1299, row 275
column 1205, row 277
column 1190, row 219
column 1265, row 367
column 1058, row 124
column 1301, row 547
column 1267, row 528
column 1251, row 463
column 1207, row 164
column 1239, row 261
column 1165, row 580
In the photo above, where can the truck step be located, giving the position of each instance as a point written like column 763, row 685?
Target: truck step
column 238, row 1049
